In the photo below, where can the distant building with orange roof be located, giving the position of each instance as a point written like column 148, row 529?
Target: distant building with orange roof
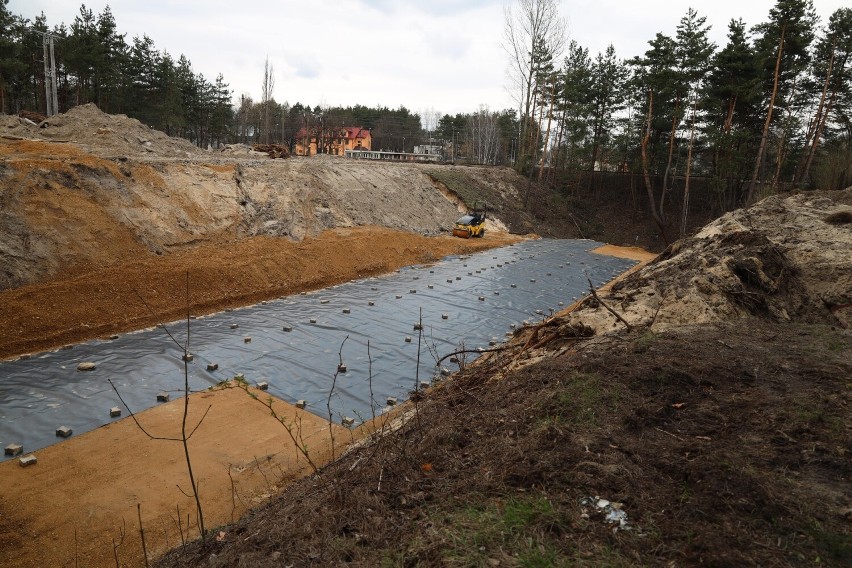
column 334, row 141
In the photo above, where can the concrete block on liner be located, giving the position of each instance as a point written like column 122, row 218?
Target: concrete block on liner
column 114, row 411
column 392, row 401
column 263, row 385
column 213, row 367
column 14, row 450
column 28, row 460
column 301, row 404
column 347, row 421
column 63, row 431
column 162, row 397
column 247, row 339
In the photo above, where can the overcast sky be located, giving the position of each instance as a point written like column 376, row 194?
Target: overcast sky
column 443, row 55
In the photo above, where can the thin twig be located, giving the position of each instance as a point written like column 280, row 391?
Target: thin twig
column 199, row 422
column 142, row 533
column 370, row 382
column 492, row 350
column 180, row 527
column 297, row 438
column 132, row 415
column 601, row 302
column 234, row 494
column 159, row 322
column 330, row 394
column 259, row 469
column 184, row 438
column 417, row 370
column 122, row 532
column 668, row 433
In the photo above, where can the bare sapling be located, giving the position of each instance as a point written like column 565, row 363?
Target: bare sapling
column 330, row 394
column 142, row 534
column 122, row 532
column 294, row 430
column 235, row 496
column 185, row 435
column 417, row 370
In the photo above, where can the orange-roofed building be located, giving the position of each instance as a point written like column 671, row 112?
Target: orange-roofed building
column 334, row 141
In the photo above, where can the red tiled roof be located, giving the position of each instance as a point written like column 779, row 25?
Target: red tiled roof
column 352, row 132
column 356, row 132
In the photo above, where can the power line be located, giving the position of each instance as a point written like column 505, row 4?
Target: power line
column 51, row 96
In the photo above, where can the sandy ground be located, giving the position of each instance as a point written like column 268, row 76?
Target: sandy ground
column 83, row 493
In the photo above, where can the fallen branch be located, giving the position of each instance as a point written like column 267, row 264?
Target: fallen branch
column 463, row 351
column 601, row 302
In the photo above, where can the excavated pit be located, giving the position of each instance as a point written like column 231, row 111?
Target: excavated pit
column 473, row 300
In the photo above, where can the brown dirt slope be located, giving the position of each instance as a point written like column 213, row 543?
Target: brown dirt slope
column 82, row 192
column 722, row 443
column 103, row 301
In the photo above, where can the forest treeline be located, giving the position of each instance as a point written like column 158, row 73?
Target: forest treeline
column 768, row 109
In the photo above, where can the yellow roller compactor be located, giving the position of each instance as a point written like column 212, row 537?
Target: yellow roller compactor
column 472, row 224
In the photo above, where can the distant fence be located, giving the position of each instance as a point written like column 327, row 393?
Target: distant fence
column 391, row 156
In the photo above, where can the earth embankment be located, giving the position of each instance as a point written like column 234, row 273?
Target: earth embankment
column 98, row 212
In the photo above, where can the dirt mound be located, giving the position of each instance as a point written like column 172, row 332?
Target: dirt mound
column 101, row 134
column 785, row 258
column 66, row 209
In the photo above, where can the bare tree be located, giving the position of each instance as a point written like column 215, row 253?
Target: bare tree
column 266, row 99
column 484, row 135
column 184, row 434
column 429, row 120
column 529, row 22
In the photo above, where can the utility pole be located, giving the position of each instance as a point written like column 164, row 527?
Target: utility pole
column 51, row 97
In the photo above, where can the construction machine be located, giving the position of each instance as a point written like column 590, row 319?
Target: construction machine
column 472, row 224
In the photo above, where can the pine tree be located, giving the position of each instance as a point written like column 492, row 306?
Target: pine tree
column 783, row 44
column 732, row 99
